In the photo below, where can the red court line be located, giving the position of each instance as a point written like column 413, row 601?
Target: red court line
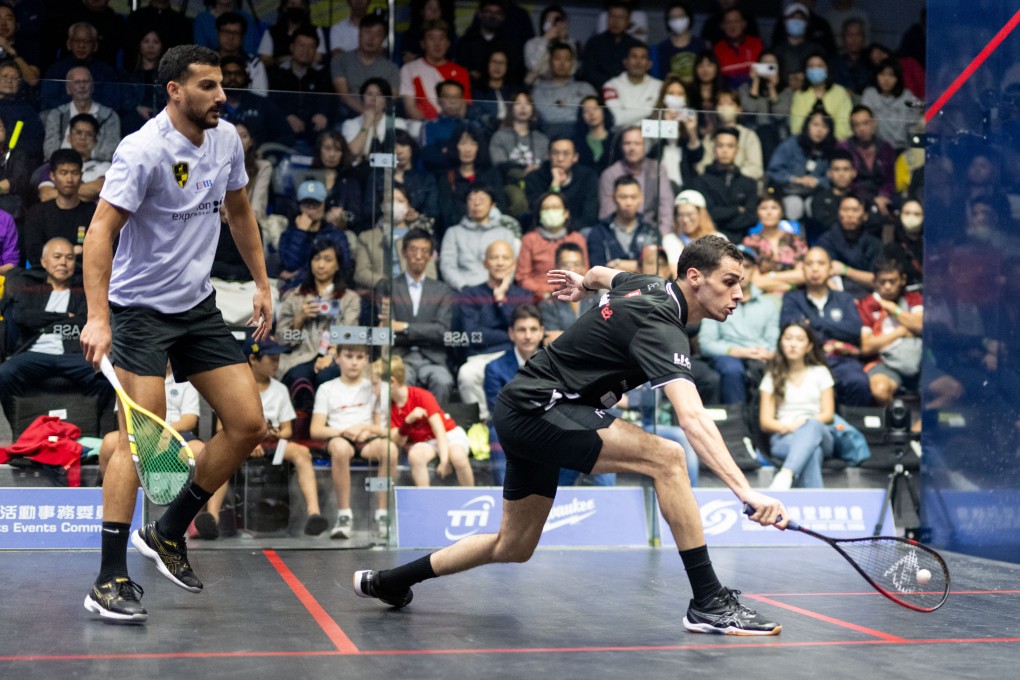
column 745, row 643
column 828, row 619
column 974, row 65
column 325, row 621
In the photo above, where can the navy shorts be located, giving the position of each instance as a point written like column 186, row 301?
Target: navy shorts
column 195, row 340
column 538, row 444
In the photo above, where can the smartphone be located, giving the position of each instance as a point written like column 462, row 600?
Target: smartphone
column 765, row 70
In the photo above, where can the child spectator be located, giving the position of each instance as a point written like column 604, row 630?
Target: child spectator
column 346, row 413
column 418, row 424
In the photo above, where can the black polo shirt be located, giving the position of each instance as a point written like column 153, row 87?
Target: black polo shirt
column 636, row 333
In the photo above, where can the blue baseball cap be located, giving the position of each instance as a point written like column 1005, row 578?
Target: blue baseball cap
column 312, row 190
column 263, row 348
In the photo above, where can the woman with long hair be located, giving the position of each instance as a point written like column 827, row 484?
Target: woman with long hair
column 334, row 162
column 143, row 97
column 906, row 242
column 321, row 299
column 492, row 92
column 679, row 156
column 800, row 164
column 517, row 149
column 469, row 167
column 538, row 247
column 797, row 405
column 592, row 138
column 369, row 131
column 780, row 248
column 708, row 82
column 768, row 97
column 892, row 103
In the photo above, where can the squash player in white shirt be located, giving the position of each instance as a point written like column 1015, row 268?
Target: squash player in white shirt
column 154, row 300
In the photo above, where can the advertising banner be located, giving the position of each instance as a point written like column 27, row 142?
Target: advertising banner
column 49, row 518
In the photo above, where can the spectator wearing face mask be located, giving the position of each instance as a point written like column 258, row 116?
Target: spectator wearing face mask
column 538, row 246
column 819, row 87
column 677, row 53
column 796, row 46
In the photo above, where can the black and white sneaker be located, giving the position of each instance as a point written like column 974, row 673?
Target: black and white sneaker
column 724, row 615
column 366, row 584
column 117, row 601
column 171, row 557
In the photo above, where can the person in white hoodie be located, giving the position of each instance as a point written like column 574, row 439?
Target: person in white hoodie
column 632, row 94
column 462, row 256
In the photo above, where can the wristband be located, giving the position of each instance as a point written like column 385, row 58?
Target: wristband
column 845, row 268
column 590, row 290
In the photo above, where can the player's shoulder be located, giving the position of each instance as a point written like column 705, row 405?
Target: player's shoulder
column 645, row 288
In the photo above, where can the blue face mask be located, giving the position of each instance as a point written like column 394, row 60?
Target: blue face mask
column 796, row 27
column 816, row 75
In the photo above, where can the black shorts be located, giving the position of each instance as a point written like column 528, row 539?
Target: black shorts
column 195, row 340
column 537, row 445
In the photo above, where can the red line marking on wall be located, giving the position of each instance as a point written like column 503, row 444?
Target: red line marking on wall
column 325, row 621
column 828, row 619
column 974, row 65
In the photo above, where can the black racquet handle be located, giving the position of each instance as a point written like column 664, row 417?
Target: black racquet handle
column 748, row 510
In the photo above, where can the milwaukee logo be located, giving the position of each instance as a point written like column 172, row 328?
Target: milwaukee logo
column 574, row 512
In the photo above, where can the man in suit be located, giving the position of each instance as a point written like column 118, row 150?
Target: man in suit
column 422, row 310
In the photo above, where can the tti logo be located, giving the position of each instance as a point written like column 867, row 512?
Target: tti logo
column 470, row 518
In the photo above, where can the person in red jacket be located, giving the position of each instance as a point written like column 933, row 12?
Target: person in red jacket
column 891, row 318
column 737, row 50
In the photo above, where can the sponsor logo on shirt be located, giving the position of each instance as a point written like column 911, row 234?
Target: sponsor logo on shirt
column 633, row 293
column 180, row 170
column 203, row 184
column 606, row 313
column 204, row 208
column 681, row 360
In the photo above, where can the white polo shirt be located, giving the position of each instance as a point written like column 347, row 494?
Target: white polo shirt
column 173, row 191
column 181, row 400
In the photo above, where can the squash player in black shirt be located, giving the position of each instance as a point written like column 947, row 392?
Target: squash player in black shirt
column 551, row 415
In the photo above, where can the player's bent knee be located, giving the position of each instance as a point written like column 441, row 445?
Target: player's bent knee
column 512, row 551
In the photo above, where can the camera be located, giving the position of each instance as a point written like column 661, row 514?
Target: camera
column 765, row 70
column 897, row 425
column 328, row 307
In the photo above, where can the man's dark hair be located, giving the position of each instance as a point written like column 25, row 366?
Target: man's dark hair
column 558, row 46
column 373, row 19
column 862, row 108
column 307, row 31
column 851, row 196
column 416, row 235
column 887, row 265
column 443, row 83
column 178, row 59
column 732, row 132
column 87, row 118
column 840, row 155
column 563, row 138
column 231, row 18
column 706, row 254
column 568, row 247
column 65, row 157
column 527, row 311
column 619, row 4
column 625, row 180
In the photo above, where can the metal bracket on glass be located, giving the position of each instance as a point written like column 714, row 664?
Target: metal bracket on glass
column 360, row 335
column 382, row 160
column 660, row 129
column 377, row 484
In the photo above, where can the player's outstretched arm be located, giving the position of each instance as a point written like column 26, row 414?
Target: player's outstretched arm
column 245, row 230
column 710, row 447
column 97, row 266
column 572, row 287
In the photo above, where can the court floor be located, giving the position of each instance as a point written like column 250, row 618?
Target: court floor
column 292, row 614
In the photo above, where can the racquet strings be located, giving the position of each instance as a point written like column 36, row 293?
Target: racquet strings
column 163, row 464
column 893, row 566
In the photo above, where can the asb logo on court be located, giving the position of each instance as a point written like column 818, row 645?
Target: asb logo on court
column 717, row 517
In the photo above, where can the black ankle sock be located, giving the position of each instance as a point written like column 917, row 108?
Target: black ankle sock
column 704, row 583
column 401, row 578
column 182, row 510
column 114, row 560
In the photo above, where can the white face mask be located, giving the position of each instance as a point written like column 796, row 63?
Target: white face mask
column 912, row 223
column 399, row 212
column 674, row 102
column 679, row 24
column 553, row 218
